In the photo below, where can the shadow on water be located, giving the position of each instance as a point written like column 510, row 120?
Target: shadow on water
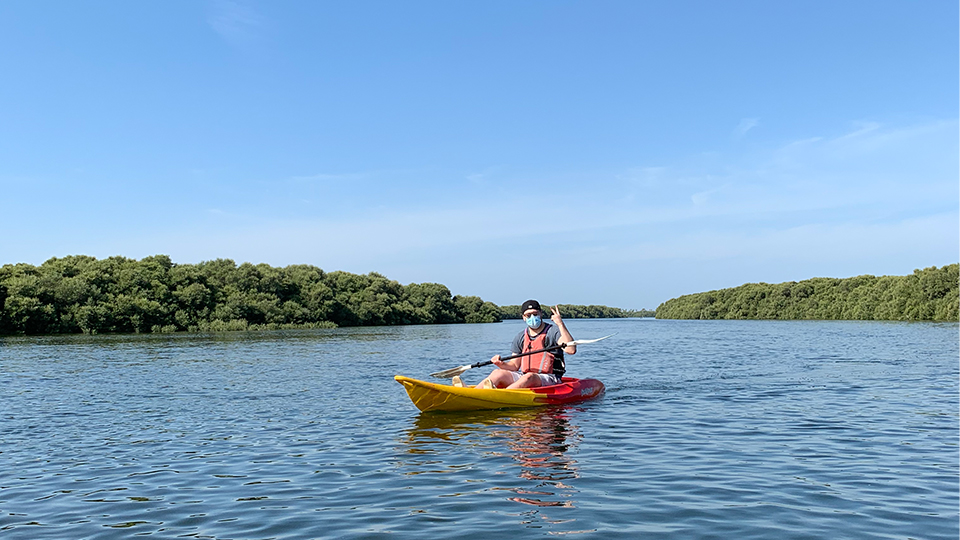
column 532, row 445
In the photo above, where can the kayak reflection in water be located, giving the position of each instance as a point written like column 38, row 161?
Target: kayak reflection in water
column 539, row 441
column 540, row 447
column 533, row 370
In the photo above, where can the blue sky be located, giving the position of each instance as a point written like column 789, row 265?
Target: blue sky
column 618, row 153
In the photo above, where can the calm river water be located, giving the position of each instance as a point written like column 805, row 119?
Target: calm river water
column 708, row 429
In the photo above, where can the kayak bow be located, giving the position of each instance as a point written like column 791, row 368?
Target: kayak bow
column 428, row 396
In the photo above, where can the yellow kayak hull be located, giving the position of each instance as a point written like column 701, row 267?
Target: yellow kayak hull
column 428, row 396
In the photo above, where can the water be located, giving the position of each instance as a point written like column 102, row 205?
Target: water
column 708, row 429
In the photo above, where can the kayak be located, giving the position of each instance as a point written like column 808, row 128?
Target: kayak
column 428, row 396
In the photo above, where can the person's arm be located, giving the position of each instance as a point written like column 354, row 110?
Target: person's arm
column 565, row 336
column 510, row 365
column 515, row 347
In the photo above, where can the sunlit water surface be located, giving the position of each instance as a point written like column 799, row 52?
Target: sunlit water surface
column 713, row 429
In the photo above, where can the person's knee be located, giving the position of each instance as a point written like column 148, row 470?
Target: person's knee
column 500, row 377
column 522, row 382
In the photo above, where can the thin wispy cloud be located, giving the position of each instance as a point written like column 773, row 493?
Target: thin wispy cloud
column 237, row 22
column 324, row 177
column 482, row 177
column 863, row 128
column 703, row 197
column 744, row 126
column 842, row 242
column 644, row 176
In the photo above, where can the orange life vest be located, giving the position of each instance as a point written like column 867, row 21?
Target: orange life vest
column 547, row 362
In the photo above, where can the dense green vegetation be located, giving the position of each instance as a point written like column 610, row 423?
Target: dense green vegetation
column 572, row 311
column 931, row 294
column 82, row 294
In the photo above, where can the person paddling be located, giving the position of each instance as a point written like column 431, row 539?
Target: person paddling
column 532, row 370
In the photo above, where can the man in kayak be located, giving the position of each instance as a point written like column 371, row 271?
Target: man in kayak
column 532, row 370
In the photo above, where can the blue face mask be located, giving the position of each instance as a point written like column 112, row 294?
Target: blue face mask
column 533, row 321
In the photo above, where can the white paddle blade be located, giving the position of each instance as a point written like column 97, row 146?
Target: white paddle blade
column 585, row 341
column 450, row 373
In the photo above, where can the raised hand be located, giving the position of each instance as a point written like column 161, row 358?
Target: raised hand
column 556, row 316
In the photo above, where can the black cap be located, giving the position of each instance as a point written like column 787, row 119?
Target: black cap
column 530, row 304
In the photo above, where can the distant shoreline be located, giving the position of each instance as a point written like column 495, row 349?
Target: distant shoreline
column 931, row 294
column 81, row 294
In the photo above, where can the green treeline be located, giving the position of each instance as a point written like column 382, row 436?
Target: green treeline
column 82, row 294
column 116, row 295
column 931, row 294
column 571, row 311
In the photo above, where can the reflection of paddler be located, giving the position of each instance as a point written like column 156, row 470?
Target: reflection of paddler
column 538, row 439
column 429, row 429
column 540, row 447
column 538, row 502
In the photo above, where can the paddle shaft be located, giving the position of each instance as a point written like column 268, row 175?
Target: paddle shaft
column 504, row 359
column 447, row 373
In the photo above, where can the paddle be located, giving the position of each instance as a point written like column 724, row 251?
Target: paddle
column 448, row 373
